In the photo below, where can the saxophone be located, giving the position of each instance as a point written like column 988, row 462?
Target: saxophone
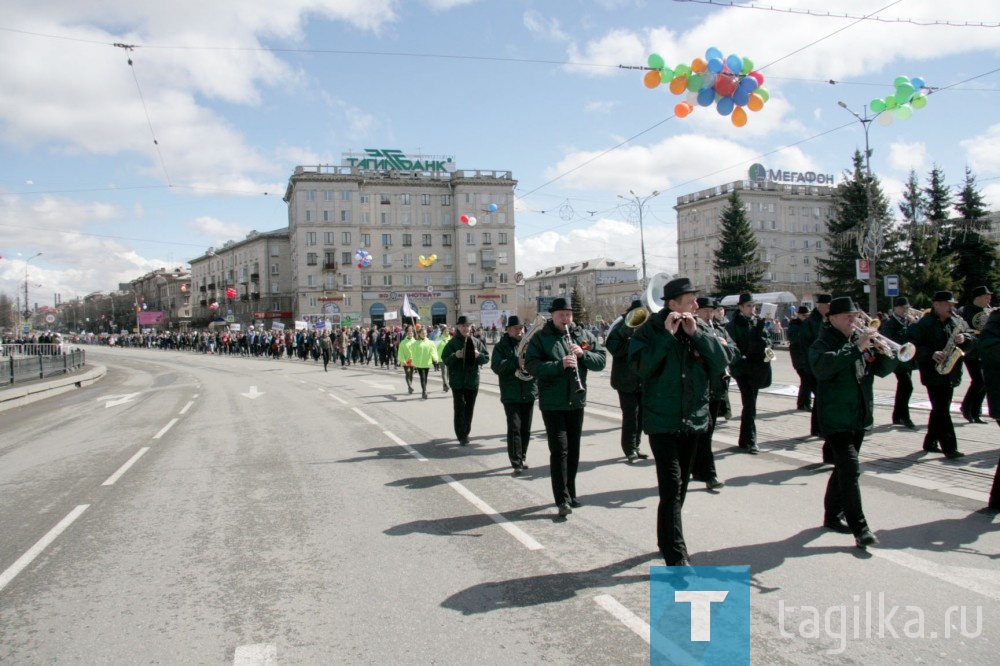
column 952, row 353
column 534, row 328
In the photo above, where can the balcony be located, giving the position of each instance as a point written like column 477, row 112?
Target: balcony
column 211, row 286
column 329, row 265
column 245, row 297
column 255, row 296
column 203, row 303
column 202, row 289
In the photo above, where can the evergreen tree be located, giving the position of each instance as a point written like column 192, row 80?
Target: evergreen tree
column 975, row 256
column 737, row 267
column 580, row 314
column 921, row 269
column 937, row 199
column 859, row 201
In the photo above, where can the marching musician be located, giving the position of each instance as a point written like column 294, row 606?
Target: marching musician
column 464, row 354
column 810, row 332
column 932, row 334
column 517, row 394
column 989, row 354
column 972, row 403
column 895, row 329
column 559, row 357
column 627, row 384
column 703, row 468
column 675, row 355
column 800, row 359
column 751, row 368
column 845, row 363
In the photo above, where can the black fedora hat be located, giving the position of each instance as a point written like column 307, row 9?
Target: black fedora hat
column 803, row 310
column 513, row 320
column 746, row 298
column 842, row 305
column 981, row 291
column 901, row 301
column 823, row 298
column 678, row 287
column 560, row 304
column 944, row 296
column 462, row 319
column 634, row 305
column 706, row 302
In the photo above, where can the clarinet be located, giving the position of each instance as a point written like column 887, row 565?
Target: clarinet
column 578, row 385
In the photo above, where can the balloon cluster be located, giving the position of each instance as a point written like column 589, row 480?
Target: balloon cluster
column 424, row 262
column 730, row 83
column 363, row 257
column 231, row 293
column 909, row 95
column 213, row 306
column 468, row 219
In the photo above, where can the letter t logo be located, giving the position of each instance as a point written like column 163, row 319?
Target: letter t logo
column 701, row 611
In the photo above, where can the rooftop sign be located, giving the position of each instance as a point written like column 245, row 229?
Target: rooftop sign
column 759, row 173
column 391, row 159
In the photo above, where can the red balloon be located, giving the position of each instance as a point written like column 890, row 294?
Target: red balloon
column 759, row 77
column 464, row 219
column 360, row 266
column 725, row 85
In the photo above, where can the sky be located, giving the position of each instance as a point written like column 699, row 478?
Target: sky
column 110, row 170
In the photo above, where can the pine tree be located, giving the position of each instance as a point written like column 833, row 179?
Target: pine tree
column 857, row 200
column 938, row 206
column 975, row 256
column 737, row 267
column 580, row 314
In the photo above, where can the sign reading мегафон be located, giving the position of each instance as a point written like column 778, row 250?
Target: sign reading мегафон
column 759, row 173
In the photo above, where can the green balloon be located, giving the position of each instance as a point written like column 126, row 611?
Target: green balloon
column 747, row 66
column 890, row 103
column 919, row 101
column 904, row 92
column 903, row 112
column 655, row 61
column 666, row 74
column 695, row 82
column 762, row 91
column 877, row 105
column 682, row 70
column 900, row 80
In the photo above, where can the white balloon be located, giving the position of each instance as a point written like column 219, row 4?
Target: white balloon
column 472, row 221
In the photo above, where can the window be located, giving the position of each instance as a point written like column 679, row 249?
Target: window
column 366, row 218
column 471, row 257
column 503, row 298
column 448, row 260
column 387, row 280
column 274, row 269
column 275, row 251
column 445, row 199
column 327, row 238
column 345, row 216
column 345, row 195
column 487, row 238
column 275, row 288
column 805, row 244
column 470, row 238
column 502, row 278
column 405, row 219
column 345, row 281
column 329, row 258
column 425, row 219
column 345, row 258
column 326, row 216
column 386, row 218
column 404, row 199
column 327, row 195
column 425, row 200
column 446, row 240
column 386, row 240
column 310, row 195
column 310, row 258
column 366, row 279
column 407, row 260
column 487, row 280
column 468, row 197
column 407, row 280
column 330, row 282
column 364, row 198
column 384, row 199
column 366, row 240
column 774, row 225
column 386, row 260
column 407, row 240
column 819, row 245
column 805, row 261
column 310, row 238
column 472, row 299
column 502, row 257
column 501, row 238
column 309, row 216
column 425, row 240
column 311, row 281
column 345, row 237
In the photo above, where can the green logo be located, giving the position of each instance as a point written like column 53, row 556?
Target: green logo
column 387, row 159
column 758, row 172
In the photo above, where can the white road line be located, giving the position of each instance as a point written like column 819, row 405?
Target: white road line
column 165, row 429
column 409, row 449
column 340, row 400
column 365, row 416
column 624, row 615
column 186, row 407
column 124, row 468
column 22, row 562
column 497, row 518
column 980, row 581
column 257, row 654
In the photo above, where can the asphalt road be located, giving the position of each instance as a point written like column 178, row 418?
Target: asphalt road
column 201, row 509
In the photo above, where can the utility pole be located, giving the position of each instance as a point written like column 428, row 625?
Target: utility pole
column 640, row 204
column 27, row 303
column 871, row 247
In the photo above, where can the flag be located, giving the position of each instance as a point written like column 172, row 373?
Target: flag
column 408, row 310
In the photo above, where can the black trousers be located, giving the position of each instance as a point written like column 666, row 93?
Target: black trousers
column 843, row 491
column 940, row 429
column 444, row 377
column 972, row 403
column 563, row 429
column 807, row 388
column 674, row 455
column 408, row 373
column 904, row 390
column 464, row 401
column 995, row 490
column 422, row 372
column 703, row 467
column 631, row 404
column 519, row 415
column 748, row 415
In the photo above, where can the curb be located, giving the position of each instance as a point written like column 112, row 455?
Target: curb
column 19, row 396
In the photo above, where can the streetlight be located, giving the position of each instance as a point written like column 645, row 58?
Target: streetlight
column 27, row 306
column 871, row 247
column 640, row 203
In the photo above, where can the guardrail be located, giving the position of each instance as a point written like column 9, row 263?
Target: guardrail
column 22, row 349
column 26, row 368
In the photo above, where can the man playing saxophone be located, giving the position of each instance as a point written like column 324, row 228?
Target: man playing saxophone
column 516, row 393
column 972, row 403
column 939, row 339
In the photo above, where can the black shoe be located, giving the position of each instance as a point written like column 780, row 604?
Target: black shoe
column 463, row 442
column 424, row 396
column 753, row 450
column 632, row 458
column 575, row 503
column 683, row 562
column 866, row 539
column 954, row 455
column 977, row 419
column 837, row 524
column 564, row 510
column 932, row 448
column 524, row 465
column 517, row 471
column 714, row 484
column 641, row 456
column 968, row 417
column 410, row 388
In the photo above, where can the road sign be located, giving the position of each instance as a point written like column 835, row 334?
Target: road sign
column 892, row 285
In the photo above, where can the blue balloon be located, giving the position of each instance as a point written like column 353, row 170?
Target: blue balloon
column 706, row 96
column 918, row 83
column 492, row 208
column 741, row 97
column 735, row 63
column 725, row 106
column 713, row 54
column 748, row 83
column 715, row 65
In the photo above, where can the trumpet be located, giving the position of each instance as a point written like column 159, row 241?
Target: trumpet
column 886, row 346
column 914, row 315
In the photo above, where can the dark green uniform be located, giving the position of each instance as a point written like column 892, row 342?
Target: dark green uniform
column 518, row 399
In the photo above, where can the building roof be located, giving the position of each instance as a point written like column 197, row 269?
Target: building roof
column 251, row 237
column 598, row 264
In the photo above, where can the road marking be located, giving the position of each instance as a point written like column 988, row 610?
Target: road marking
column 124, row 468
column 980, row 581
column 115, row 400
column 624, row 615
column 497, row 518
column 257, row 654
column 22, row 562
column 382, row 386
column 253, row 394
column 340, row 400
column 186, row 407
column 409, row 449
column 165, row 429
column 364, row 416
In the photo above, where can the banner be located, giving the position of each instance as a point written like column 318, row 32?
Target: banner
column 150, row 318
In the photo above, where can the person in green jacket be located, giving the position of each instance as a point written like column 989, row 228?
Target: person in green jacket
column 845, row 363
column 516, row 394
column 560, row 356
column 703, row 467
column 404, row 357
column 441, row 342
column 464, row 355
column 989, row 355
column 676, row 357
column 420, row 355
column 627, row 384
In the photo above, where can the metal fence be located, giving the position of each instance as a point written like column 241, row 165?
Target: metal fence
column 22, row 349
column 24, row 368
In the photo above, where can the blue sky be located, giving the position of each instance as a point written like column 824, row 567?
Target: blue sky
column 237, row 94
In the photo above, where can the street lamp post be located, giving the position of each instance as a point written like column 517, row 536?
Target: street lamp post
column 871, row 247
column 640, row 204
column 27, row 306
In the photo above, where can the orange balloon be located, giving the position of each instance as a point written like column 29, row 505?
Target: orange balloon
column 739, row 116
column 756, row 102
column 683, row 109
column 679, row 84
column 651, row 79
column 698, row 65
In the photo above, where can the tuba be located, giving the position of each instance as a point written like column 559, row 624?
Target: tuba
column 980, row 318
column 535, row 326
column 952, row 352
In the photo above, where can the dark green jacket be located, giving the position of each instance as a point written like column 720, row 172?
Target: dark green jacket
column 797, row 347
column 676, row 372
column 930, row 334
column 463, row 373
column 556, row 385
column 623, row 377
column 989, row 353
column 844, row 378
column 720, row 382
column 504, row 363
column 811, row 328
column 968, row 314
column 752, row 342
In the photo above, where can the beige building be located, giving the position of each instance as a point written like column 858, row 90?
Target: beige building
column 788, row 218
column 402, row 211
column 607, row 287
column 162, row 299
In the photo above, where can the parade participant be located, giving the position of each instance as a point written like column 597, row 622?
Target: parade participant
column 751, row 368
column 800, row 359
column 989, row 355
column 703, row 468
column 463, row 355
column 423, row 354
column 725, row 410
column 405, row 356
column 627, row 384
column 894, row 328
column 559, row 357
column 845, row 364
column 326, row 348
column 518, row 392
column 442, row 340
column 972, row 403
column 810, row 331
column 675, row 355
column 932, row 333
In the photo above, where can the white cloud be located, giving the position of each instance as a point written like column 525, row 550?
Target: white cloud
column 984, row 151
column 601, row 106
column 546, row 28
column 219, row 230
column 904, row 156
column 445, row 5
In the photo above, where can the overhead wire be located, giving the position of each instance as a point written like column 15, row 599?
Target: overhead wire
column 821, row 14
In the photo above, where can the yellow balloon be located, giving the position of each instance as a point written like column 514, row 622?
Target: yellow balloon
column 434, row 257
